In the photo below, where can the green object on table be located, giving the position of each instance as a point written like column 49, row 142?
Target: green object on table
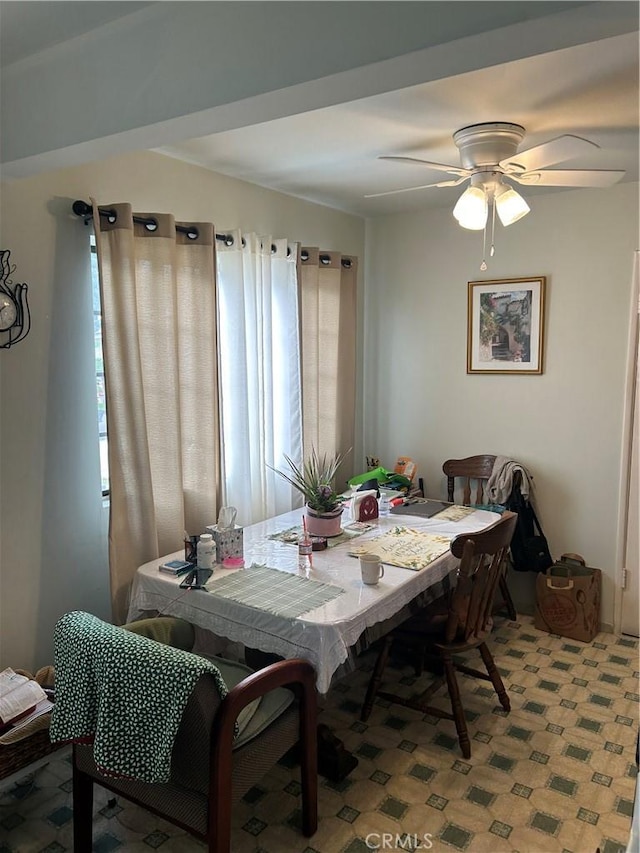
column 379, row 474
column 382, row 475
column 397, row 481
column 491, row 507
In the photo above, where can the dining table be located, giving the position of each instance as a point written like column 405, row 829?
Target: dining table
column 324, row 612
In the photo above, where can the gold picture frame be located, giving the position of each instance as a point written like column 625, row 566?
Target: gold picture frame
column 505, row 325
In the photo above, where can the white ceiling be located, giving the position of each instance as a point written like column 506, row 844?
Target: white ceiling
column 29, row 27
column 329, row 155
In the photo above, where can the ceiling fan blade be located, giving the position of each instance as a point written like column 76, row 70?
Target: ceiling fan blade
column 422, row 187
column 440, row 167
column 569, row 178
column 554, row 151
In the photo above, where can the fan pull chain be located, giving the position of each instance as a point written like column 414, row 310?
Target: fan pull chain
column 493, row 225
column 483, row 265
column 492, row 250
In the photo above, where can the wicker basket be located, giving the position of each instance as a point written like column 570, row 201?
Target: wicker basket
column 33, row 744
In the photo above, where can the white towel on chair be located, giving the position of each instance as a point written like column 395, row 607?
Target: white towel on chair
column 500, row 482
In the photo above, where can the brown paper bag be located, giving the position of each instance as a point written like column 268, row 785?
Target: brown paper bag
column 568, row 599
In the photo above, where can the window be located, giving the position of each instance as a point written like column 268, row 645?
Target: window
column 97, row 336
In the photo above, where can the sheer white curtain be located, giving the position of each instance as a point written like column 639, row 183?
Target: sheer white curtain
column 259, row 364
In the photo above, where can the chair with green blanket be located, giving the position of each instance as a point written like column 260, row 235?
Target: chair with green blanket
column 183, row 736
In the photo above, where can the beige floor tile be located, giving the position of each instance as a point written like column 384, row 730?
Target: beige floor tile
column 333, row 834
column 488, row 842
column 614, row 826
column 276, row 806
column 366, row 796
column 408, row 789
column 454, row 785
column 526, row 839
column 329, row 802
column 424, row 786
column 394, row 761
column 284, row 839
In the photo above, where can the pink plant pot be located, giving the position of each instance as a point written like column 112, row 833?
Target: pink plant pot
column 324, row 524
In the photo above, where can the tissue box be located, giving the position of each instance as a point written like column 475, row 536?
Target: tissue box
column 228, row 541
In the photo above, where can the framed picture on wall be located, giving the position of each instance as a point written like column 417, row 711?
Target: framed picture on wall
column 505, row 332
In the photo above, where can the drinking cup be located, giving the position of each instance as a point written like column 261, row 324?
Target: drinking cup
column 371, row 569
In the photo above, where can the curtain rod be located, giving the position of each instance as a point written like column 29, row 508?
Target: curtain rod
column 81, row 208
column 325, row 259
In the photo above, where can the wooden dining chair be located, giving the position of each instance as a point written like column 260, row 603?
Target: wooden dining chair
column 472, row 474
column 456, row 624
column 222, row 746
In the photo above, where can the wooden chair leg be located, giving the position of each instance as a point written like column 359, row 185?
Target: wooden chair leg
column 456, row 705
column 494, row 675
column 507, row 600
column 309, row 766
column 220, row 804
column 219, row 839
column 82, row 809
column 376, row 678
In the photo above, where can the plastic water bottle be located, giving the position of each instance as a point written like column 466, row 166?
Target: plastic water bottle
column 206, row 551
column 305, row 548
column 384, row 505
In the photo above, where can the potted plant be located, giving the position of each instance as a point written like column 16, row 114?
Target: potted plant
column 315, row 480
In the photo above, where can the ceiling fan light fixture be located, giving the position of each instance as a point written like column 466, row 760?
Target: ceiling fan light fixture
column 471, row 209
column 510, row 206
column 490, row 160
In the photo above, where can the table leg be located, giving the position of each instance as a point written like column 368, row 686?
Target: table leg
column 334, row 761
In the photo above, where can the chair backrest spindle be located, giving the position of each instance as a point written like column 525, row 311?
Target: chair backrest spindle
column 482, row 557
column 472, row 469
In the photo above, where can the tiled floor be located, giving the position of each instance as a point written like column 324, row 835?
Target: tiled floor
column 555, row 774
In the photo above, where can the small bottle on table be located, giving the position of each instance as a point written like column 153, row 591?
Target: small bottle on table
column 305, row 548
column 206, row 551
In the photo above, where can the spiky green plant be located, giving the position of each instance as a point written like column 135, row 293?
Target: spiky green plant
column 315, row 479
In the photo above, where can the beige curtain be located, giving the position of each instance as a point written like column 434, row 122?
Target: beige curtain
column 328, row 342
column 159, row 344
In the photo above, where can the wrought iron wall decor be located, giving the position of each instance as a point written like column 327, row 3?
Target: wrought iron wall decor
column 15, row 318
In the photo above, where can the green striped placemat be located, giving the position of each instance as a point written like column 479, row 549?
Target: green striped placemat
column 276, row 592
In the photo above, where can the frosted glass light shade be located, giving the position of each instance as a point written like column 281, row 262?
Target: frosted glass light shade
column 510, row 207
column 471, row 209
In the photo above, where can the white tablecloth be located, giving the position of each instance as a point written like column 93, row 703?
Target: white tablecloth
column 322, row 636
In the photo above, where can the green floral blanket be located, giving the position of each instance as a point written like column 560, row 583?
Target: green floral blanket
column 123, row 692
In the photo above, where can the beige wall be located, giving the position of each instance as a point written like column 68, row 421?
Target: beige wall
column 415, row 396
column 565, row 425
column 53, row 552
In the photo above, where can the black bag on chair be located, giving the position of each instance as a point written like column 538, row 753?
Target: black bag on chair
column 529, row 546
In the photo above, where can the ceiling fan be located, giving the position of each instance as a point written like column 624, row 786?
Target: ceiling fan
column 490, row 160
